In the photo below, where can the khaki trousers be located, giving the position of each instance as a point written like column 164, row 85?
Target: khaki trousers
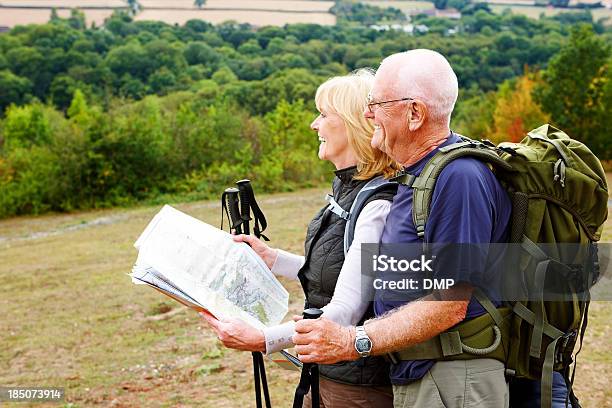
column 337, row 395
column 456, row 384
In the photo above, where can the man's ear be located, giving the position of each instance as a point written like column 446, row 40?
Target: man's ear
column 416, row 114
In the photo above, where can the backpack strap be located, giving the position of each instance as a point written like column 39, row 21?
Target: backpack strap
column 424, row 184
column 336, row 208
column 484, row 336
column 371, row 188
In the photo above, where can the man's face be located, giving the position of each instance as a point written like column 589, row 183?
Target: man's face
column 389, row 118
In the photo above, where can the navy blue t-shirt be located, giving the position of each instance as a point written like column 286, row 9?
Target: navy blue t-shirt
column 468, row 206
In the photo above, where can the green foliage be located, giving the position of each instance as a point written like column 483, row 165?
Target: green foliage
column 576, row 91
column 15, row 89
column 440, row 4
column 559, row 3
column 473, row 116
column 26, row 126
column 134, row 59
column 177, row 144
column 351, row 10
column 139, row 110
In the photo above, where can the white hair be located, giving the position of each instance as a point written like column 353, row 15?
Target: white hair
column 425, row 75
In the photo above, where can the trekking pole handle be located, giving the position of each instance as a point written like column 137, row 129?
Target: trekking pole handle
column 312, row 313
column 313, row 368
column 231, row 195
column 245, row 204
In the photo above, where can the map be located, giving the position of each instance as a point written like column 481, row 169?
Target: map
column 203, row 267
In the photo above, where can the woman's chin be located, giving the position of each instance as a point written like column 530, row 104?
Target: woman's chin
column 322, row 155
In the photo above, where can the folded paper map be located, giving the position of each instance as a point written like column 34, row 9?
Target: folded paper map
column 204, row 268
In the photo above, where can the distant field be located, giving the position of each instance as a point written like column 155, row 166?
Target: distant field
column 510, row 2
column 10, row 17
column 259, row 18
column 534, row 12
column 64, row 3
column 273, row 12
column 408, row 7
column 524, row 7
column 290, row 5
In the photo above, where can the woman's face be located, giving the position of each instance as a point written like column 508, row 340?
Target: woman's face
column 333, row 138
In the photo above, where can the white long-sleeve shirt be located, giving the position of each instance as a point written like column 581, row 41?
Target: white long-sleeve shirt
column 347, row 305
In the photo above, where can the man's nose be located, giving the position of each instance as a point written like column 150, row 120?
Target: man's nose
column 367, row 113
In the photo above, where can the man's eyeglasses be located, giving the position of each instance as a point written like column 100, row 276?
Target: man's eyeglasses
column 372, row 104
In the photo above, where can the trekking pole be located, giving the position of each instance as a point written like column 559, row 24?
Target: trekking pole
column 245, row 203
column 230, row 204
column 239, row 202
column 309, row 380
column 248, row 203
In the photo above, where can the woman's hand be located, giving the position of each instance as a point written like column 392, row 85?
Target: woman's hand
column 236, row 334
column 267, row 254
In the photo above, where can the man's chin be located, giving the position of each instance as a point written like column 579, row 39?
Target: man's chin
column 378, row 144
column 381, row 148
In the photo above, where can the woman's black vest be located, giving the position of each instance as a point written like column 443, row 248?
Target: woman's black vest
column 324, row 255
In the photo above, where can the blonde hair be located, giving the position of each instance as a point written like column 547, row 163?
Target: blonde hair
column 346, row 96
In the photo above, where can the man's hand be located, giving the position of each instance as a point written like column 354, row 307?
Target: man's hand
column 323, row 341
column 236, row 334
column 267, row 254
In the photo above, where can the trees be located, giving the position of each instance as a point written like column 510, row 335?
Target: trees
column 15, row 89
column 99, row 125
column 120, row 59
column 198, row 52
column 516, row 113
column 134, row 7
column 575, row 90
column 199, row 3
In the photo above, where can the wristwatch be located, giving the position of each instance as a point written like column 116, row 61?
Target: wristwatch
column 363, row 344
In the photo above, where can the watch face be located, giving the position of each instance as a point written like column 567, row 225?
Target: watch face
column 363, row 345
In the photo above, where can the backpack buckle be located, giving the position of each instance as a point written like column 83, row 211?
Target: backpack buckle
column 559, row 171
column 508, row 149
column 488, row 143
column 403, row 178
column 565, row 339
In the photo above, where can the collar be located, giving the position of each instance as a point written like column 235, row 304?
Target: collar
column 346, row 175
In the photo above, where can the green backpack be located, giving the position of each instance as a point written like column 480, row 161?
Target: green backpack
column 559, row 195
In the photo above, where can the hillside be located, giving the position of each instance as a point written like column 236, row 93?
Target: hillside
column 72, row 318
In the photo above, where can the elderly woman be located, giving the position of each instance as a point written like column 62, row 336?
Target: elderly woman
column 331, row 280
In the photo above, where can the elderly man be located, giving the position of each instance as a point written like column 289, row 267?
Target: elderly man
column 411, row 103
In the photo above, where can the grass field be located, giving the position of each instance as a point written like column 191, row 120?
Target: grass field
column 535, row 12
column 411, row 7
column 10, row 17
column 281, row 5
column 70, row 317
column 65, row 3
column 254, row 17
column 408, row 7
column 255, row 12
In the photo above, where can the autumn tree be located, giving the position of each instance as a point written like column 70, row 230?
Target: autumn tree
column 516, row 112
